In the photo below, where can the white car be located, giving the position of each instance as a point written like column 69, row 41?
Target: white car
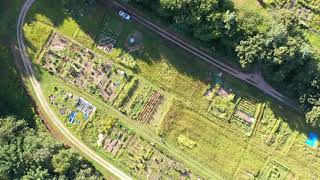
column 124, row 15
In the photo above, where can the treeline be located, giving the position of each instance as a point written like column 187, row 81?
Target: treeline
column 275, row 43
column 28, row 154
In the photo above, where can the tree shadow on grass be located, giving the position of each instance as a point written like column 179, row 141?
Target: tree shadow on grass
column 14, row 101
column 90, row 20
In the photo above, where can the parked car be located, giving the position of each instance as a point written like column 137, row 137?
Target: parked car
column 124, row 15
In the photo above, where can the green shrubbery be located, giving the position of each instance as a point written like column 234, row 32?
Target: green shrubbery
column 128, row 61
column 126, row 93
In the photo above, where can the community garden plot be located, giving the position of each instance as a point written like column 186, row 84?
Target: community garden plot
column 85, row 69
column 75, row 109
column 223, row 102
column 139, row 157
column 144, row 102
column 304, row 160
column 222, row 99
column 108, row 36
column 274, row 171
column 140, row 100
column 115, row 81
column 246, row 114
column 252, row 163
column 58, row 45
column 306, row 10
column 275, row 132
column 133, row 43
column 203, row 140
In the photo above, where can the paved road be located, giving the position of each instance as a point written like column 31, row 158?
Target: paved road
column 45, row 106
column 254, row 79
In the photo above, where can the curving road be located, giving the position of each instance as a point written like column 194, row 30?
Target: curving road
column 254, row 79
column 27, row 65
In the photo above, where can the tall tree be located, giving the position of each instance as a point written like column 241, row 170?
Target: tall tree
column 282, row 47
column 205, row 18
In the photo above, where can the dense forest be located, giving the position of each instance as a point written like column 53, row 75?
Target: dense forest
column 27, row 149
column 276, row 44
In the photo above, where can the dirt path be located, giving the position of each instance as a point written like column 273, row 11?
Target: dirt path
column 254, row 79
column 45, row 106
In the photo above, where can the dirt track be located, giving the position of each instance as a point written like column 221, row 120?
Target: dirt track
column 45, row 106
column 254, row 79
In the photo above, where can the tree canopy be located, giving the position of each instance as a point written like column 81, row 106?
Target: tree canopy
column 313, row 116
column 27, row 154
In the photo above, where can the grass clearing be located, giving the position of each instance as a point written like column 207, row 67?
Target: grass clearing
column 37, row 34
column 214, row 147
column 249, row 5
column 314, row 39
column 68, row 27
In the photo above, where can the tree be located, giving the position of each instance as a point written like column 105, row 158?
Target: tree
column 251, row 50
column 305, row 85
column 282, row 48
column 38, row 173
column 313, row 117
column 87, row 174
column 230, row 23
column 251, row 24
column 204, row 20
column 64, row 161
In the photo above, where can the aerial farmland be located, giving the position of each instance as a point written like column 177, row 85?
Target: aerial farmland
column 154, row 110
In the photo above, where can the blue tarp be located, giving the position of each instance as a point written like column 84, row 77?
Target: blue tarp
column 312, row 139
column 72, row 117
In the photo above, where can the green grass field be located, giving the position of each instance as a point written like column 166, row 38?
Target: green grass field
column 314, row 39
column 221, row 147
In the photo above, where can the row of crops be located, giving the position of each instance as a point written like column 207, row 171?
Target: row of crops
column 275, row 132
column 139, row 157
column 141, row 102
column 133, row 153
column 226, row 105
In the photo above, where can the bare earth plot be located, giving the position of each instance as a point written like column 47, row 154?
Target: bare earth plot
column 156, row 112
